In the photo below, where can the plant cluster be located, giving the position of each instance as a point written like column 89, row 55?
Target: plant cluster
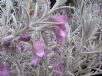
column 37, row 40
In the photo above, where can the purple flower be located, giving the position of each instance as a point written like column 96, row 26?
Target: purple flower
column 6, row 43
column 19, row 47
column 3, row 70
column 100, row 11
column 55, row 63
column 25, row 37
column 61, row 18
column 34, row 61
column 58, row 68
column 60, row 34
column 38, row 48
column 59, row 29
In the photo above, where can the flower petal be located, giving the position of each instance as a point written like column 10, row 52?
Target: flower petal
column 60, row 29
column 34, row 61
column 61, row 18
column 59, row 67
column 38, row 48
column 19, row 47
column 40, row 53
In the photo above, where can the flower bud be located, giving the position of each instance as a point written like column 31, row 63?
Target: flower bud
column 6, row 43
column 25, row 37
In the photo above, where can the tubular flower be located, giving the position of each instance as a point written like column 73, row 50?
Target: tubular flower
column 38, row 48
column 60, row 29
column 3, row 70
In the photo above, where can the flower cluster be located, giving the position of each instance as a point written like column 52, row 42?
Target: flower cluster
column 39, row 48
column 60, row 31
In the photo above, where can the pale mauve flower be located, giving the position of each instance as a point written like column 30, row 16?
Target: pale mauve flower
column 19, row 47
column 38, row 48
column 34, row 61
column 60, row 29
column 59, row 69
column 56, row 64
column 3, row 70
column 61, row 18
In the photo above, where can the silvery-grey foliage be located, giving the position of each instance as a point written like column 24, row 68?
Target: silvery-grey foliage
column 81, row 52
